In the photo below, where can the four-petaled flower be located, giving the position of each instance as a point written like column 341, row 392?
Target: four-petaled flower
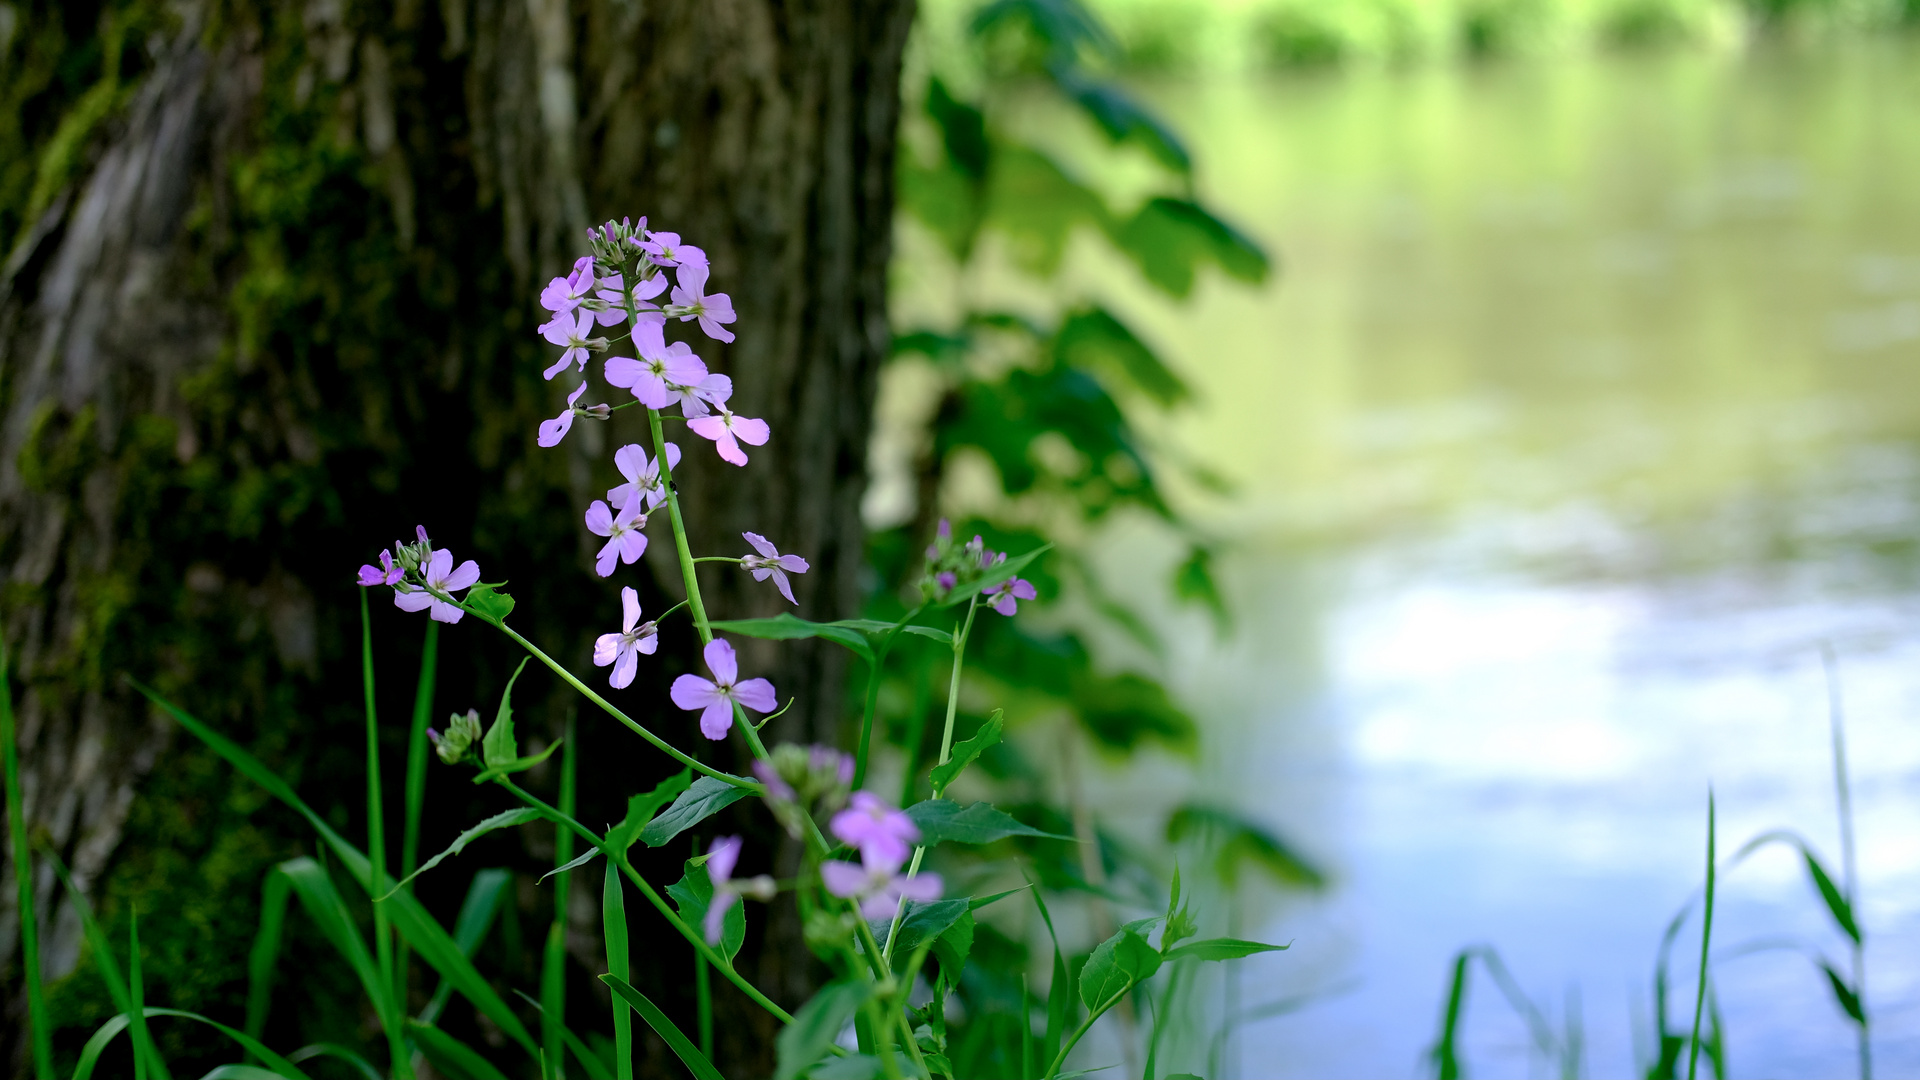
column 643, row 476
column 712, row 310
column 699, row 399
column 714, row 698
column 660, row 365
column 552, row 431
column 623, row 649
column 722, row 856
column 384, row 574
column 1008, row 591
column 728, row 431
column 883, row 834
column 572, row 330
column 439, row 575
column 625, row 542
column 878, row 887
column 771, row 564
column 563, row 294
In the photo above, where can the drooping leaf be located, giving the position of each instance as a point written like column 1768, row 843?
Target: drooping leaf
column 964, row 753
column 504, row 820
column 575, row 863
column 953, row 946
column 97, row 1044
column 1235, row 840
column 669, row 1032
column 1034, row 203
column 1170, row 238
column 498, row 746
column 521, row 764
column 1092, row 339
column 706, row 797
column 878, row 627
column 815, row 1026
column 942, row 820
column 1843, row 994
column 693, row 894
column 488, row 602
column 963, row 129
column 1118, row 963
column 451, row 1056
column 1126, row 120
column 1193, row 583
column 1125, row 710
column 1221, row 949
column 352, row 1059
column 1837, row 905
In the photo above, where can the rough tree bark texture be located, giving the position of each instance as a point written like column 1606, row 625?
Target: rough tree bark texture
column 271, row 304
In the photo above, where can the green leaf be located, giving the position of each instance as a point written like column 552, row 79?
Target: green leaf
column 815, row 1026
column 963, row 129
column 953, row 946
column 324, row 905
column 1223, row 948
column 575, row 863
column 499, row 748
column 488, row 602
column 881, row 626
column 693, row 894
column 1180, row 920
column 1036, row 205
column 786, row 627
column 504, row 820
column 613, row 920
column 90, row 1054
column 942, row 820
column 920, row 924
column 517, row 764
column 1122, row 711
column 241, row 1072
column 1843, row 994
column 851, row 1067
column 1096, row 341
column 994, row 576
column 144, row 1051
column 1060, row 992
column 696, row 1061
column 336, row 1051
column 1169, row 238
column 642, row 808
column 451, row 1056
column 1125, row 120
column 266, row 951
column 1193, row 583
column 965, row 753
column 477, row 910
column 1836, row 902
column 705, row 798
column 1235, row 840
column 1117, row 964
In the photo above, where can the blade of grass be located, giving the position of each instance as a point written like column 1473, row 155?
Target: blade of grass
column 1060, row 995
column 39, row 1030
column 1446, row 1057
column 146, row 1056
column 96, row 937
column 1706, row 938
column 1843, row 791
column 451, row 1056
column 696, row 1062
column 266, row 951
column 392, row 1001
column 90, row 1053
column 340, row 1053
column 553, row 973
column 417, row 757
column 596, row 1068
column 328, row 910
column 613, row 922
column 477, row 911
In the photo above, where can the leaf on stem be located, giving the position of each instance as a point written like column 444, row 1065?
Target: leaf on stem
column 1221, row 948
column 1120, row 962
column 995, row 574
column 488, row 602
column 696, row 1061
column 642, row 808
column 706, row 797
column 693, row 894
column 816, row 1026
column 942, row 820
column 503, row 820
column 499, row 748
column 786, row 627
column 965, row 753
column 1843, row 994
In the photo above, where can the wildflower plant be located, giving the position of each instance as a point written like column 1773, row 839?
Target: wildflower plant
column 872, row 910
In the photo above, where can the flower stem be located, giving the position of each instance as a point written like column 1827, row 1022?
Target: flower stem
column 679, row 528
column 874, row 670
column 1086, row 1025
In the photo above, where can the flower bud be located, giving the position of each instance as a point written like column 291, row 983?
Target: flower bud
column 463, row 732
column 760, row 887
column 597, row 412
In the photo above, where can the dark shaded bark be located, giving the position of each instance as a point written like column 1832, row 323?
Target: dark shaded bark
column 280, row 308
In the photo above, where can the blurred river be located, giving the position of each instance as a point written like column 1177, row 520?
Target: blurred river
column 1586, row 408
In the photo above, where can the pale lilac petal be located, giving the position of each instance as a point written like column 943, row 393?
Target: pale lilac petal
column 1024, row 590
column 673, row 456
column 612, row 315
column 878, row 906
column 445, row 612
column 607, row 558
column 599, row 519
column 468, row 573
column 631, row 460
column 688, row 255
column 751, row 431
column 693, row 282
column 722, row 661
column 633, row 544
column 693, row 692
column 786, row 590
column 761, row 545
column 629, row 609
column 722, row 856
column 681, row 366
column 372, row 575
column 793, row 564
column 560, row 365
column 761, row 573
column 650, row 339
column 756, row 694
column 648, row 644
column 716, row 720
column 623, row 370
column 438, row 567
column 714, row 923
column 926, row 888
column 629, row 662
column 557, row 330
column 708, row 427
column 1004, row 604
column 412, row 601
column 606, row 648
column 552, row 431
column 651, row 287
column 651, row 390
column 843, row 879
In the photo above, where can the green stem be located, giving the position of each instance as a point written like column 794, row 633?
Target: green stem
column 1085, row 1025
column 619, row 858
column 417, row 754
column 553, row 987
column 679, row 528
column 1706, row 938
column 377, row 854
column 718, row 558
column 946, row 753
column 874, row 670
column 40, row 1032
column 703, row 1004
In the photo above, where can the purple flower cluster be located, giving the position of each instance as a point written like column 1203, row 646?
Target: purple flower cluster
column 423, row 579
column 884, row 836
column 951, row 565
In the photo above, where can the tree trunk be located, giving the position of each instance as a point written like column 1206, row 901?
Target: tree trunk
column 272, row 304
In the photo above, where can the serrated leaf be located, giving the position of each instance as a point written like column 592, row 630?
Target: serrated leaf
column 492, row 772
column 488, row 602
column 964, row 753
column 498, row 747
column 1117, row 964
column 942, row 820
column 503, row 820
column 693, row 894
column 706, row 797
column 816, row 1026
column 1221, row 949
column 642, row 808
column 953, row 946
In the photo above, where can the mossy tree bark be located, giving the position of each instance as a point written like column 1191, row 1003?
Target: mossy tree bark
column 269, row 303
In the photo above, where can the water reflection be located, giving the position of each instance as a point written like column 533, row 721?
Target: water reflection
column 1586, row 409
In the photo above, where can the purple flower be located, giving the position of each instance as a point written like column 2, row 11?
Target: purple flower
column 710, row 310
column 722, row 856
column 659, row 366
column 572, row 330
column 439, row 574
column 1007, row 592
column 883, row 835
column 771, row 564
column 552, row 431
column 563, row 294
column 625, row 542
column 665, row 249
column 384, row 574
column 727, row 432
column 643, row 476
column 715, row 698
column 879, row 888
column 700, row 399
column 623, row 649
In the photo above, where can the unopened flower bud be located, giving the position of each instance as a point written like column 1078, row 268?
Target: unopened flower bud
column 597, row 412
column 462, row 733
column 760, row 887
